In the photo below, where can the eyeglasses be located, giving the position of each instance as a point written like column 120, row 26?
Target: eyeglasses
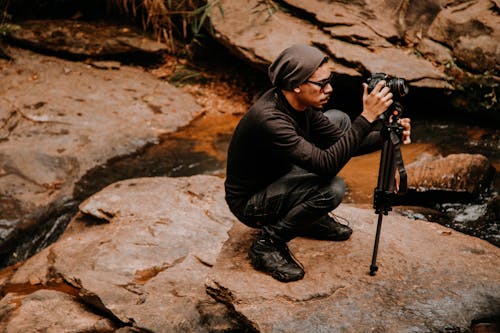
column 323, row 83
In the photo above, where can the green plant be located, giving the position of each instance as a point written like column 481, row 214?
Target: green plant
column 4, row 4
column 184, row 75
column 267, row 6
column 5, row 28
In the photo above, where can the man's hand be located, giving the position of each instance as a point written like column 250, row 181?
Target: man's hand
column 376, row 102
column 406, row 123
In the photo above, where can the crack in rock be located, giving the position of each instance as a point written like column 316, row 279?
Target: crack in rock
column 224, row 295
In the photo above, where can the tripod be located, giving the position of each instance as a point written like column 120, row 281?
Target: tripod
column 390, row 157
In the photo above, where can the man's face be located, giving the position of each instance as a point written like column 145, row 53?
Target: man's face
column 317, row 89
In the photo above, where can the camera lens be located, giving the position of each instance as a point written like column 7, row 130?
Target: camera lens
column 401, row 87
column 398, row 86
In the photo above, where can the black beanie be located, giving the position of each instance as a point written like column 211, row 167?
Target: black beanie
column 295, row 65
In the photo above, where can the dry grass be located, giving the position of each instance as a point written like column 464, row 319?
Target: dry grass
column 169, row 20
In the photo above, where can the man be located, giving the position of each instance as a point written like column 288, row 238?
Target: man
column 285, row 154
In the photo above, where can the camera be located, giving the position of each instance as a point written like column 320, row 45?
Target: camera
column 398, row 86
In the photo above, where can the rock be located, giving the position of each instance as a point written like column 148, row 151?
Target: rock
column 62, row 120
column 85, row 39
column 105, row 64
column 469, row 173
column 451, row 48
column 459, row 186
column 50, row 311
column 4, row 54
column 261, row 36
column 139, row 252
column 418, row 288
column 431, row 49
column 471, row 30
column 144, row 252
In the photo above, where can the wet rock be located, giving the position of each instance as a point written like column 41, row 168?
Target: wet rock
column 418, row 288
column 82, row 39
column 471, row 174
column 63, row 119
column 460, row 186
column 139, row 254
column 478, row 219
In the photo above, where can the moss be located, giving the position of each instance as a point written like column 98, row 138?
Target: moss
column 474, row 92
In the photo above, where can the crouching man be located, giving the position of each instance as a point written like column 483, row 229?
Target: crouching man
column 285, row 154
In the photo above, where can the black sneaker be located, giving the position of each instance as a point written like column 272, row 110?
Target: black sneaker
column 273, row 257
column 327, row 228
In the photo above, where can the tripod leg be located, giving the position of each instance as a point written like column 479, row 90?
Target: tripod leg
column 373, row 266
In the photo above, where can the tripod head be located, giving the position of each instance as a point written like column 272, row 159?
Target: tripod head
column 390, row 119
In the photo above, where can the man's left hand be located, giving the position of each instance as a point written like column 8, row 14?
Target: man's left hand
column 406, row 123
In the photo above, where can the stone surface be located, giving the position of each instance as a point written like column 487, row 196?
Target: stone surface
column 262, row 36
column 52, row 312
column 471, row 30
column 418, row 41
column 140, row 252
column 85, row 39
column 470, row 173
column 62, row 119
column 143, row 254
column 430, row 279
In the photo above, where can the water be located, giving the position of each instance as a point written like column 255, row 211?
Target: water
column 204, row 151
column 200, row 148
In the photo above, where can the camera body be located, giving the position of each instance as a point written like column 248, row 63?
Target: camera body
column 398, row 88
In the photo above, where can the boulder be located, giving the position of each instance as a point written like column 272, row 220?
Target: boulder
column 461, row 187
column 137, row 254
column 62, row 119
column 471, row 31
column 143, row 253
column 468, row 174
column 448, row 47
column 84, row 39
column 418, row 287
column 262, row 35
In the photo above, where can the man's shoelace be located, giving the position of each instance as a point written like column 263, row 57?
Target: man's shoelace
column 338, row 217
column 286, row 251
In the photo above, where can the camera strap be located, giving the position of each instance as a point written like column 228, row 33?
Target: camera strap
column 398, row 156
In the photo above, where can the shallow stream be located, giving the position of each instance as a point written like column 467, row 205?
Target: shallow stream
column 200, row 148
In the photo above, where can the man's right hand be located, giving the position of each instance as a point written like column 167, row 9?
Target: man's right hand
column 376, row 102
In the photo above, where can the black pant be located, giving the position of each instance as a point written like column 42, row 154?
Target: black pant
column 293, row 202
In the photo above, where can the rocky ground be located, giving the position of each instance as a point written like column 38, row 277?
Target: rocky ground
column 166, row 255
column 134, row 259
column 434, row 44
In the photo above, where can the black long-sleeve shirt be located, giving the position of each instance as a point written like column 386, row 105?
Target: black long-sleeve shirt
column 272, row 137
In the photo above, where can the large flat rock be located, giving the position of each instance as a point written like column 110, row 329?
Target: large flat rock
column 430, row 278
column 145, row 254
column 139, row 253
column 60, row 120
